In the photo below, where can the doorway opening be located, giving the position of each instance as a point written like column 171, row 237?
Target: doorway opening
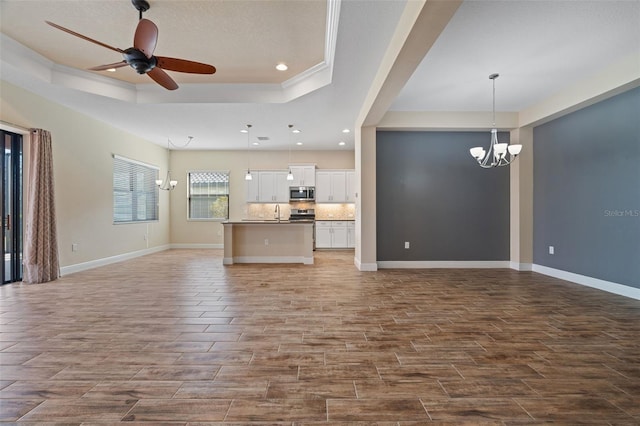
column 11, row 208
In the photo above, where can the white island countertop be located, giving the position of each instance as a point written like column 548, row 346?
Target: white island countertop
column 268, row 241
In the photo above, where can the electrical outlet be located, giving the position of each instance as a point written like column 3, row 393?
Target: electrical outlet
column 551, row 250
column 144, row 237
column 266, row 241
column 74, row 247
column 407, row 245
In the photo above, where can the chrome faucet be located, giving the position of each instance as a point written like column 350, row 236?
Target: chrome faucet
column 277, row 211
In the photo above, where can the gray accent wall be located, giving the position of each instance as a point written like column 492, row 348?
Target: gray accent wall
column 432, row 193
column 587, row 191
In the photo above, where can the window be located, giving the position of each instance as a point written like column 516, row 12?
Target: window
column 208, row 195
column 135, row 193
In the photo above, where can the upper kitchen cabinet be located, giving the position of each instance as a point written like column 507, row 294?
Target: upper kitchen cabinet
column 253, row 188
column 331, row 187
column 303, row 175
column 274, row 187
column 351, row 186
column 268, row 186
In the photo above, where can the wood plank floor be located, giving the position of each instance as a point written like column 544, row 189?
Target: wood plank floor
column 176, row 338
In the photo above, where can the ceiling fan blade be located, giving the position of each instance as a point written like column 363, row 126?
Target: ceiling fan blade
column 182, row 65
column 99, row 43
column 162, row 78
column 109, row 66
column 146, row 37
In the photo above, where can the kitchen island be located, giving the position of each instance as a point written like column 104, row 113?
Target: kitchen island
column 268, row 241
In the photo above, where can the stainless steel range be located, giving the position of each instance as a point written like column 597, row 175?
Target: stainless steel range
column 302, row 215
column 305, row 215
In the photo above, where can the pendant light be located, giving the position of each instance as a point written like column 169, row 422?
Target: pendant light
column 248, row 175
column 290, row 174
column 497, row 154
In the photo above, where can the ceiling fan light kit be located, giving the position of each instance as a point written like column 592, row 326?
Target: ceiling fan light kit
column 140, row 57
column 497, row 154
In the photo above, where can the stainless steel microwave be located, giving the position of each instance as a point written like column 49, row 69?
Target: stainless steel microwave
column 302, row 193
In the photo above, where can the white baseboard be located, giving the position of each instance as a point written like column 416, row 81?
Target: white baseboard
column 268, row 259
column 608, row 286
column 521, row 266
column 196, row 246
column 454, row 264
column 66, row 270
column 365, row 267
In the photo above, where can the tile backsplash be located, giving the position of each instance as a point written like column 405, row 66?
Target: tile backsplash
column 323, row 211
column 335, row 211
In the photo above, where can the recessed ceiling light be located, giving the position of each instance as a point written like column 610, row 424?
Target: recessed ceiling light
column 346, row 131
column 295, row 131
column 341, row 143
column 111, row 69
column 244, row 131
column 298, row 143
column 282, row 67
column 256, row 143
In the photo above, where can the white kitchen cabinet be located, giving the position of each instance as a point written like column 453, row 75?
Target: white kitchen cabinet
column 331, row 186
column 303, row 175
column 331, row 234
column 323, row 187
column 253, row 188
column 323, row 235
column 339, row 234
column 351, row 186
column 268, row 186
column 274, row 187
column 282, row 187
column 351, row 234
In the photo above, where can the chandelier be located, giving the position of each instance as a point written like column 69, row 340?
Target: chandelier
column 169, row 184
column 497, row 155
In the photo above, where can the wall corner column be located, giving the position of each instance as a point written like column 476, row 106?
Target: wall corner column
column 521, row 201
column 366, row 238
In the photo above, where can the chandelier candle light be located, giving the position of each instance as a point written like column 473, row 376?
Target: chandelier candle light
column 168, row 184
column 497, row 155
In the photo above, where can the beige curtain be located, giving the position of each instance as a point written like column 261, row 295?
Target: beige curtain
column 41, row 262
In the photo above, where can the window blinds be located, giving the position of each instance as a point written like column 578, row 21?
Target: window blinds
column 135, row 193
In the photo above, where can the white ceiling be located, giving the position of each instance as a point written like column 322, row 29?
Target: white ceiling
column 243, row 39
column 538, row 47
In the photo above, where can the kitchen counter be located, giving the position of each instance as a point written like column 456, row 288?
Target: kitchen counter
column 268, row 241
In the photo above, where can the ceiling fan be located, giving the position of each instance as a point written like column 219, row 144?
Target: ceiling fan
column 140, row 57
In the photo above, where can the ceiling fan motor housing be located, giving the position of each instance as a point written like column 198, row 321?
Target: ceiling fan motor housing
column 141, row 5
column 139, row 60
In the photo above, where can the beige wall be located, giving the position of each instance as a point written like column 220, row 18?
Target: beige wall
column 83, row 148
column 83, row 172
column 210, row 233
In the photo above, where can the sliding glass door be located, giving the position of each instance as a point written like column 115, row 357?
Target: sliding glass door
column 11, row 207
